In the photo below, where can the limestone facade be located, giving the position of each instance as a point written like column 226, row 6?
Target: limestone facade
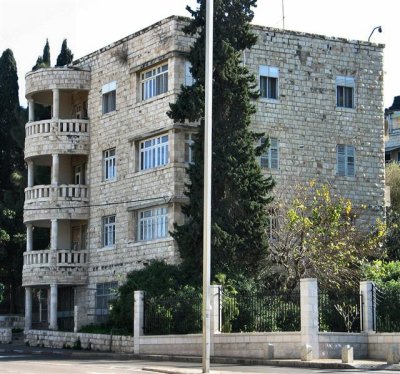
column 116, row 163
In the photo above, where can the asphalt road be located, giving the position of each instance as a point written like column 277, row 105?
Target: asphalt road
column 58, row 364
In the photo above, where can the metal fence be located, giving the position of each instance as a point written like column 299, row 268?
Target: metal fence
column 340, row 312
column 278, row 311
column 387, row 303
column 172, row 315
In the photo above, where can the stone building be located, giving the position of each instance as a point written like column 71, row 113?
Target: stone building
column 392, row 131
column 106, row 169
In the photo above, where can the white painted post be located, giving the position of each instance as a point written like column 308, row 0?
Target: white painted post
column 28, row 308
column 215, row 313
column 347, row 354
column 30, row 173
column 309, row 316
column 138, row 319
column 76, row 319
column 53, row 306
column 368, row 318
column 31, row 105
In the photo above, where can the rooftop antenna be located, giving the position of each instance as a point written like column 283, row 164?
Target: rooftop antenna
column 283, row 15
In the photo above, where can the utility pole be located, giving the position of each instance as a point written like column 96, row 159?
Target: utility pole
column 207, row 189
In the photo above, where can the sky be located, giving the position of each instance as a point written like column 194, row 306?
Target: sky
column 89, row 25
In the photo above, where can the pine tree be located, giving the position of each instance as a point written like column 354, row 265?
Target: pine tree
column 65, row 57
column 12, row 121
column 240, row 193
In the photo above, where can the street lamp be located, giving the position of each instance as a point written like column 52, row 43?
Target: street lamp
column 379, row 28
column 206, row 313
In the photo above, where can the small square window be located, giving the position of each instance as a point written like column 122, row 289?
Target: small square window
column 109, row 97
column 269, row 79
column 108, row 231
column 345, row 160
column 345, row 92
column 109, row 165
column 270, row 158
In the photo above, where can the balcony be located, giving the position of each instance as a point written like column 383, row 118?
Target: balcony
column 59, row 266
column 68, row 201
column 60, row 136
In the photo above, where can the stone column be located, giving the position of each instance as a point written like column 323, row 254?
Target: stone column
column 31, row 105
column 215, row 295
column 28, row 308
column 309, row 314
column 30, row 173
column 138, row 319
column 55, row 167
column 56, row 103
column 53, row 307
column 29, row 237
column 54, row 234
column 368, row 318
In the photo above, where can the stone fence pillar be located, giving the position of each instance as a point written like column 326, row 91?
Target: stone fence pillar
column 216, row 309
column 368, row 318
column 138, row 319
column 309, row 314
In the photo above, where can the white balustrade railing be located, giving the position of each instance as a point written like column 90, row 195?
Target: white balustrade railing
column 58, row 126
column 64, row 191
column 64, row 257
column 71, row 258
column 37, row 258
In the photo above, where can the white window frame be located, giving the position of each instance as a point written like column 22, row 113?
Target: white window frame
column 345, row 88
column 154, row 152
column 109, row 97
column 188, row 147
column 270, row 158
column 154, row 81
column 109, row 165
column 345, row 160
column 270, row 75
column 109, row 231
column 153, row 223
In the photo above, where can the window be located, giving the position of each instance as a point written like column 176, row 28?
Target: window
column 269, row 82
column 188, row 147
column 189, row 80
column 153, row 223
column 109, row 167
column 105, row 293
column 154, row 152
column 272, row 225
column 345, row 92
column 108, row 231
column 109, row 97
column 346, row 160
column 154, row 82
column 270, row 159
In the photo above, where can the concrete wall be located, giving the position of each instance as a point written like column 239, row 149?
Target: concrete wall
column 331, row 344
column 5, row 335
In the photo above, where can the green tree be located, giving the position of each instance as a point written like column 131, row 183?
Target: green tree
column 44, row 60
column 12, row 120
column 65, row 57
column 240, row 192
column 316, row 234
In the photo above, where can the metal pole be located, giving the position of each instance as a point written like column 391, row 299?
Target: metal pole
column 207, row 189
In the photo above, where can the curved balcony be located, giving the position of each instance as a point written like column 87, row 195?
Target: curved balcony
column 68, row 201
column 62, row 136
column 44, row 267
column 61, row 78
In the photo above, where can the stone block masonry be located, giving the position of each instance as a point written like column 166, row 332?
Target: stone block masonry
column 5, row 335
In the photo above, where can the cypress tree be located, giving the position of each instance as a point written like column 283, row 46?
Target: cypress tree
column 46, row 54
column 12, row 121
column 65, row 57
column 240, row 193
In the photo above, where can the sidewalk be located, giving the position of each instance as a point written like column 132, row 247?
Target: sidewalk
column 179, row 364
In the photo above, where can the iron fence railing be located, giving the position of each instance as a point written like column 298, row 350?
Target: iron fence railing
column 279, row 311
column 387, row 302
column 172, row 315
column 340, row 312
